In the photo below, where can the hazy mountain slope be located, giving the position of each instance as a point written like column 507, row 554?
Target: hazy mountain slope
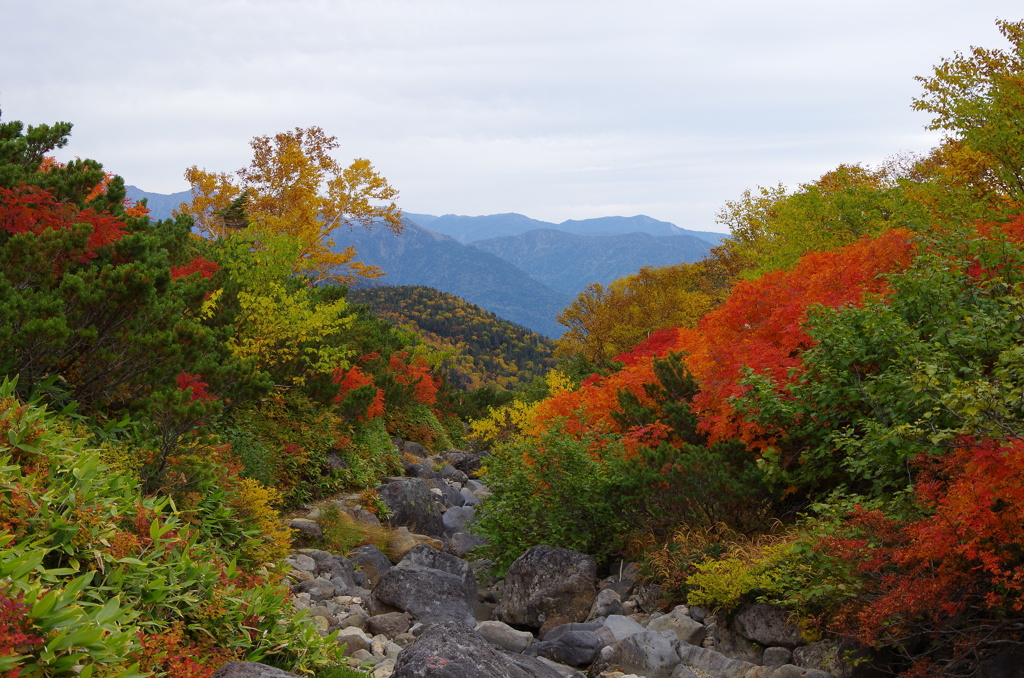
column 421, row 257
column 470, row 229
column 568, row 263
column 160, row 204
column 484, row 349
column 467, row 229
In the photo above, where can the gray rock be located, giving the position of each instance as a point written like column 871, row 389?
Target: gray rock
column 617, row 628
column 461, row 543
column 824, row 656
column 573, row 648
column 452, row 650
column 371, row 561
column 679, row 623
column 451, row 497
column 469, row 499
column 428, row 595
column 335, row 462
column 607, row 602
column 390, row 624
column 360, row 515
column 547, row 581
column 716, row 664
column 724, row 640
column 648, row 653
column 504, row 636
column 769, row 625
column 556, row 632
column 412, row 505
column 1008, row 663
column 318, row 589
column 647, row 597
column 777, row 656
column 333, row 568
column 415, row 449
column 457, row 518
column 353, row 642
column 249, row 670
column 308, row 529
column 301, row 562
column 467, row 462
column 423, row 556
column 477, row 488
column 563, row 670
column 421, row 469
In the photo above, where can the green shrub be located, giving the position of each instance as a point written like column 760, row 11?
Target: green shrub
column 553, row 490
column 92, row 568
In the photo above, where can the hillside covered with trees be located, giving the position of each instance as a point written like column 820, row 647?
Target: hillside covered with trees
column 474, row 348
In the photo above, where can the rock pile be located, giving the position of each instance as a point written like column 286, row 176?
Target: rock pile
column 426, row 612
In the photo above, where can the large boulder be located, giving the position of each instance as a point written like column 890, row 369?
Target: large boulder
column 424, row 556
column 371, row 561
column 467, row 462
column 453, row 650
column 457, row 518
column 412, row 505
column 547, row 581
column 648, row 653
column 680, row 623
column 769, row 625
column 461, row 544
column 710, row 663
column 431, row 586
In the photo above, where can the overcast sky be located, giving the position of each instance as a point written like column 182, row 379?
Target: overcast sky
column 557, row 109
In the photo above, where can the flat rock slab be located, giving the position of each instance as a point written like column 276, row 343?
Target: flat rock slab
column 453, row 650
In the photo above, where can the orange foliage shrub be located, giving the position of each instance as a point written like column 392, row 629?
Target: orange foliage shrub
column 760, row 325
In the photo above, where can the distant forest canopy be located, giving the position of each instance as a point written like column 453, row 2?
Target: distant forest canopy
column 477, row 348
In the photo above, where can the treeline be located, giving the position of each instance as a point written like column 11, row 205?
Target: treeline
column 825, row 414
column 475, row 348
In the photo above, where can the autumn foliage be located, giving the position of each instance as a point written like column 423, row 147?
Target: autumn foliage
column 760, row 327
column 955, row 576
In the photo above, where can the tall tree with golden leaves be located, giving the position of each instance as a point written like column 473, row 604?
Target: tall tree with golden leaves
column 293, row 186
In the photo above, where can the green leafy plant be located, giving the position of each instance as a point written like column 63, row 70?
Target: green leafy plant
column 553, row 490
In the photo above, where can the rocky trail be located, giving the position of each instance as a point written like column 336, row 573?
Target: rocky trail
column 428, row 611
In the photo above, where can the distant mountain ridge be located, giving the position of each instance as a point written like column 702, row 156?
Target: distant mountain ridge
column 160, row 204
column 419, row 256
column 471, row 229
column 544, row 254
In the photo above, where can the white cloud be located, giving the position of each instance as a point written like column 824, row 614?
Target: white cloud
column 554, row 108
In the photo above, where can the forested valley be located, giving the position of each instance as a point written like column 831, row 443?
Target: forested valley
column 825, row 414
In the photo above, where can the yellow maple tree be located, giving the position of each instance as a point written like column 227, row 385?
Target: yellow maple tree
column 294, row 186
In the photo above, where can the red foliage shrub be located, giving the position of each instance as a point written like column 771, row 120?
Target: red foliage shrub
column 203, row 267
column 760, row 325
column 414, row 373
column 955, row 576
column 16, row 633
column 195, row 387
column 30, row 209
column 350, row 380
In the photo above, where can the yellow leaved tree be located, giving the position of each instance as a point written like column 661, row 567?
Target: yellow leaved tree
column 294, row 187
